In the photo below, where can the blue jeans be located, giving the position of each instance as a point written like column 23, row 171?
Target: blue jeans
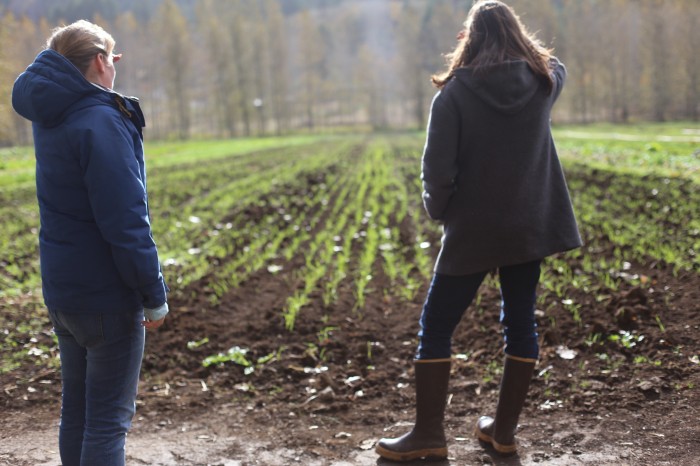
column 100, row 362
column 449, row 296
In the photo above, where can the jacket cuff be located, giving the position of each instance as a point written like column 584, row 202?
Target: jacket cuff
column 157, row 313
column 154, row 295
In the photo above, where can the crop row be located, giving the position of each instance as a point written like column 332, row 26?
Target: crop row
column 352, row 210
column 628, row 221
column 187, row 191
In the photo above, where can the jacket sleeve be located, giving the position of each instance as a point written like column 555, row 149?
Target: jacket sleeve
column 439, row 164
column 559, row 76
column 117, row 193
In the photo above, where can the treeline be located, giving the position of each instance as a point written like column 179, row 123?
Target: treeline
column 207, row 68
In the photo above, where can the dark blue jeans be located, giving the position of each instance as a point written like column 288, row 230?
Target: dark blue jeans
column 449, row 296
column 100, row 362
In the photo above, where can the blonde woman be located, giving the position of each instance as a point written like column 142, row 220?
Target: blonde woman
column 100, row 272
column 492, row 177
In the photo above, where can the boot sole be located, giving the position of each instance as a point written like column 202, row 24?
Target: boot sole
column 427, row 453
column 505, row 450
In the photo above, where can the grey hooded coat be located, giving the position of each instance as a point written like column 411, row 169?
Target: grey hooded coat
column 491, row 172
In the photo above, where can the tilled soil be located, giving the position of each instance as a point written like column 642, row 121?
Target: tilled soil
column 343, row 379
column 618, row 387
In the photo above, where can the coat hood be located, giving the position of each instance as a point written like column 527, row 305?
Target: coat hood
column 50, row 88
column 506, row 87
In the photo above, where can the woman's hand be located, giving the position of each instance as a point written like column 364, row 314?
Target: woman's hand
column 153, row 318
column 152, row 324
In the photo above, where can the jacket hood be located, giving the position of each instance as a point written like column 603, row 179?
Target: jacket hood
column 49, row 89
column 506, row 87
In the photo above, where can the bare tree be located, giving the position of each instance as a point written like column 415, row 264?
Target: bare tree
column 257, row 34
column 241, row 60
column 221, row 72
column 269, row 64
column 656, row 58
column 687, row 42
column 173, row 38
column 7, row 22
column 20, row 40
column 412, row 76
column 312, row 55
column 277, row 61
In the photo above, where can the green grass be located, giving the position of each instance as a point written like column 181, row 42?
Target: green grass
column 168, row 153
column 17, row 163
column 664, row 149
column 678, row 129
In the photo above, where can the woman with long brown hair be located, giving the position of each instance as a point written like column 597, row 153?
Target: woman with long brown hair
column 491, row 175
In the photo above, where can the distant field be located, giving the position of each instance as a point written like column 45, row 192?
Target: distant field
column 17, row 163
column 671, row 149
column 350, row 205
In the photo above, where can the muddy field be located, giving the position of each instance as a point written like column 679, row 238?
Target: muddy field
column 617, row 382
column 327, row 402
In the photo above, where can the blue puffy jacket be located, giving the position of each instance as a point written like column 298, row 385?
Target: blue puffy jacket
column 97, row 252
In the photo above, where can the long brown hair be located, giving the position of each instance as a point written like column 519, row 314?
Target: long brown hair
column 492, row 34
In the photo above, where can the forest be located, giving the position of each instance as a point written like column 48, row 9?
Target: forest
column 207, row 68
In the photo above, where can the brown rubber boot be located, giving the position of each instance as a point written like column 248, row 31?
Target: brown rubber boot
column 427, row 439
column 500, row 432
